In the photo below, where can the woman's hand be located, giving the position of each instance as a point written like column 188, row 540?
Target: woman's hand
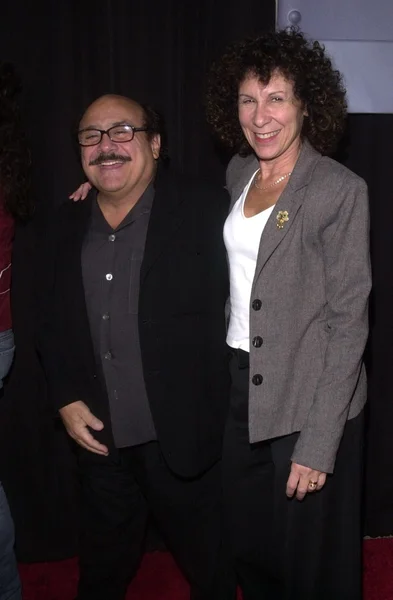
column 81, row 192
column 303, row 480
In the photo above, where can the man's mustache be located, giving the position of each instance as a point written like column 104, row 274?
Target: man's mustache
column 108, row 157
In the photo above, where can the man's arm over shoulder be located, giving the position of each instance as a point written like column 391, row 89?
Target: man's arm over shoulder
column 235, row 166
column 239, row 171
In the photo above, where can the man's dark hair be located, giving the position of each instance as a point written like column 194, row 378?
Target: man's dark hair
column 14, row 152
column 155, row 124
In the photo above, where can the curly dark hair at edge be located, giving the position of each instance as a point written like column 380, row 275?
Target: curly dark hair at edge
column 14, row 153
column 316, row 84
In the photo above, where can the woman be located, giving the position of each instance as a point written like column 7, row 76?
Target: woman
column 14, row 205
column 297, row 242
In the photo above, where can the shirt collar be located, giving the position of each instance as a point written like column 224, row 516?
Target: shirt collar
column 143, row 206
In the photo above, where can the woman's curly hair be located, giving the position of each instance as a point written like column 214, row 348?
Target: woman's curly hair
column 316, row 84
column 14, row 153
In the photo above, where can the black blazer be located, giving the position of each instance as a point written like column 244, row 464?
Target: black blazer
column 184, row 286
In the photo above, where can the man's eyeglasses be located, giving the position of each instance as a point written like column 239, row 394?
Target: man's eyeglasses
column 117, row 133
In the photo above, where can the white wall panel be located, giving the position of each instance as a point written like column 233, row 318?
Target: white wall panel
column 358, row 34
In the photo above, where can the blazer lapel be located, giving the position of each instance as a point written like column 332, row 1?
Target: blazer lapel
column 278, row 225
column 285, row 210
column 165, row 219
column 77, row 226
column 71, row 252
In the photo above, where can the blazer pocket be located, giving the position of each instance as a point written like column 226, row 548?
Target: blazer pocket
column 323, row 341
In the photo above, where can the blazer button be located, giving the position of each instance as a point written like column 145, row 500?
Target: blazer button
column 257, row 379
column 257, row 341
column 256, row 304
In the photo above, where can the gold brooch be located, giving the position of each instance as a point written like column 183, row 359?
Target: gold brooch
column 282, row 217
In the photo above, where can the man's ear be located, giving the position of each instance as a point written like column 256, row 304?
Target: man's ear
column 156, row 145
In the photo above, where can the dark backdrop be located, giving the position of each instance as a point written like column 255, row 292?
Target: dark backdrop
column 369, row 154
column 157, row 51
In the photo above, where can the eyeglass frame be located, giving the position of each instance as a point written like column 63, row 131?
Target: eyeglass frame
column 106, row 131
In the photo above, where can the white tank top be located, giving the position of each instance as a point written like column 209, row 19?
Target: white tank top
column 242, row 236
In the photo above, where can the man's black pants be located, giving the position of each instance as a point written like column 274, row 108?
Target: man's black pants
column 118, row 494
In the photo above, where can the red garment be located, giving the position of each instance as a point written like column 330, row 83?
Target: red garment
column 7, row 227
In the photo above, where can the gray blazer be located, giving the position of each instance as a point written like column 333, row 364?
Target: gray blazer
column 313, row 280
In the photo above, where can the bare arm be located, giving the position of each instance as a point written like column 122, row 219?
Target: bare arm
column 81, row 192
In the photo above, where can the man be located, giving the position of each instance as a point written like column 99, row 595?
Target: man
column 133, row 342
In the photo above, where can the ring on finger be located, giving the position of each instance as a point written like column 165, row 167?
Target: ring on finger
column 312, row 485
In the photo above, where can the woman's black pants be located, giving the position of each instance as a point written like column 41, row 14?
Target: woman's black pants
column 287, row 549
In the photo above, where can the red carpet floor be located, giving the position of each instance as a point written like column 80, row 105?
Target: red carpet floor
column 159, row 578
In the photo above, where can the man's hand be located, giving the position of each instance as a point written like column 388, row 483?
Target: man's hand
column 303, row 480
column 77, row 418
column 81, row 192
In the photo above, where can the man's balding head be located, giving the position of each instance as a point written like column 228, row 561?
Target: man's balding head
column 118, row 168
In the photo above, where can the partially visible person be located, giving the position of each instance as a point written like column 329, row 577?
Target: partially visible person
column 133, row 343
column 14, row 205
column 297, row 238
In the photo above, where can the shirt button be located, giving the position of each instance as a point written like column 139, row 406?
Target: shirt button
column 256, row 304
column 112, row 237
column 105, row 317
column 257, row 379
column 257, row 341
column 109, row 276
column 108, row 355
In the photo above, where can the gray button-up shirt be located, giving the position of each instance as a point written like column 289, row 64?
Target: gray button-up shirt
column 111, row 263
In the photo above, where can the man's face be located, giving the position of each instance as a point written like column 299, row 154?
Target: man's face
column 118, row 169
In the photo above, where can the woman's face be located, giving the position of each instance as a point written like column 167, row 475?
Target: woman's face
column 271, row 117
